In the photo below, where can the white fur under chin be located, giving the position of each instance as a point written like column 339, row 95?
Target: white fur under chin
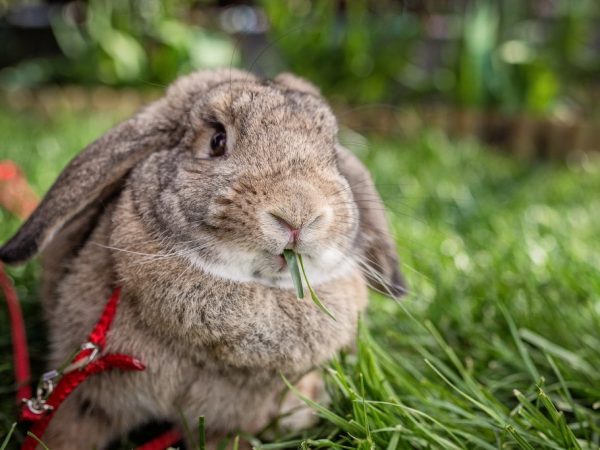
column 241, row 268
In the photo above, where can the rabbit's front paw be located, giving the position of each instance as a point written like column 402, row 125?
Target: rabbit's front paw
column 297, row 415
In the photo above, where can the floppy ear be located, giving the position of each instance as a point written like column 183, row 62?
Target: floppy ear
column 374, row 240
column 91, row 175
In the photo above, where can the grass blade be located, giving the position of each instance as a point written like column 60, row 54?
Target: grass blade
column 313, row 294
column 292, row 261
column 202, row 434
column 529, row 365
column 38, row 440
column 8, row 436
column 569, row 357
column 393, row 444
column 517, row 437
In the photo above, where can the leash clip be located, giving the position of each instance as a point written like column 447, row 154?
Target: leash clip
column 83, row 362
column 37, row 405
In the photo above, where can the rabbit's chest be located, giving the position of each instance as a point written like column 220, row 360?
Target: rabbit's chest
column 247, row 325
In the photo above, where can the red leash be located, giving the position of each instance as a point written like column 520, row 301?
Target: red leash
column 19, row 338
column 49, row 396
column 17, row 196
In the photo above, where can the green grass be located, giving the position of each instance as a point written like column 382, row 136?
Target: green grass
column 498, row 344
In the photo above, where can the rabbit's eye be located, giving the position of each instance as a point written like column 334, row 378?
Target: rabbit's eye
column 218, row 144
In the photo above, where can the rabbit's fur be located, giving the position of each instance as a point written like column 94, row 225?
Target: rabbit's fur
column 194, row 242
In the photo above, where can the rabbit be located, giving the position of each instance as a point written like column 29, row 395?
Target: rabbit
column 188, row 207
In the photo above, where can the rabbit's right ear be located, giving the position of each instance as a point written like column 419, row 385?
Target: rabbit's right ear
column 378, row 249
column 90, row 175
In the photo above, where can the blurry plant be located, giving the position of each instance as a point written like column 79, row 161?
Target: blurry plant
column 357, row 52
column 370, row 57
column 575, row 30
column 510, row 75
column 129, row 42
column 474, row 60
column 511, row 56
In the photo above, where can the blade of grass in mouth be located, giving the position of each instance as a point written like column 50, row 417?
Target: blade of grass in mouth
column 294, row 260
column 292, row 263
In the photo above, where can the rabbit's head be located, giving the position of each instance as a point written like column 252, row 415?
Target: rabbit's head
column 231, row 170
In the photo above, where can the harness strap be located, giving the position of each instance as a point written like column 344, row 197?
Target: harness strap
column 84, row 365
column 98, row 334
column 67, row 384
column 167, row 439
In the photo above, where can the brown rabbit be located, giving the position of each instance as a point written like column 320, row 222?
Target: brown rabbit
column 188, row 206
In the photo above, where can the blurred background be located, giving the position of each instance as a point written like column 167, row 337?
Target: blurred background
column 480, row 121
column 523, row 75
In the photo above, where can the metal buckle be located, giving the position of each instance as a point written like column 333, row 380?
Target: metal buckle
column 45, row 387
column 37, row 405
column 95, row 351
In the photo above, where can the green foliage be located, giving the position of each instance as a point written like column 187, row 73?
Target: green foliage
column 497, row 345
column 511, row 75
column 491, row 55
column 355, row 55
column 511, row 56
column 127, row 42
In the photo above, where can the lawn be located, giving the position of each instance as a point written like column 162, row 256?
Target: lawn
column 498, row 344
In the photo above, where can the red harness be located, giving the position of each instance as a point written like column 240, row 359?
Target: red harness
column 54, row 386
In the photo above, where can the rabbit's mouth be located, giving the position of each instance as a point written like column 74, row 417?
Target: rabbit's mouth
column 321, row 268
column 271, row 269
column 275, row 266
column 281, row 262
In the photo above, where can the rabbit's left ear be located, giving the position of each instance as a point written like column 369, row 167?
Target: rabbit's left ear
column 90, row 176
column 374, row 241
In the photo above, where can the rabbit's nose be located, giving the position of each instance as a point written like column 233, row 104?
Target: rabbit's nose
column 292, row 227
